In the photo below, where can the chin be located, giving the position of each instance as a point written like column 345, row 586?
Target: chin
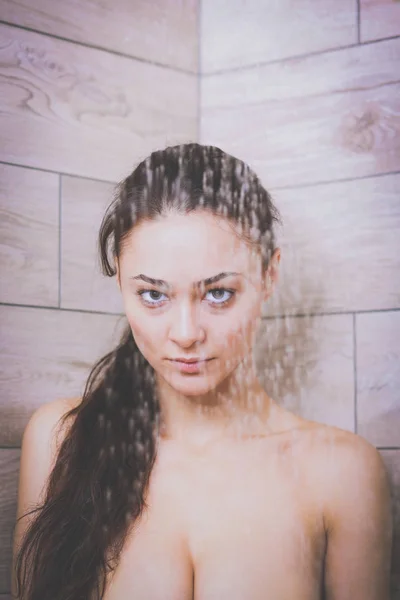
column 195, row 385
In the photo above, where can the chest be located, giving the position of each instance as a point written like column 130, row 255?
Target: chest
column 238, row 526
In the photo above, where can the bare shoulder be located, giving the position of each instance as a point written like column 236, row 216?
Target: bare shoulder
column 56, row 407
column 40, row 443
column 41, row 440
column 335, row 450
column 335, row 454
column 53, row 411
column 347, row 468
column 45, row 428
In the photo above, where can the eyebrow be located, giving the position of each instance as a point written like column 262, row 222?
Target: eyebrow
column 208, row 281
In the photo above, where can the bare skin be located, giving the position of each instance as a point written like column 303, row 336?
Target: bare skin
column 301, row 512
column 257, row 519
column 228, row 523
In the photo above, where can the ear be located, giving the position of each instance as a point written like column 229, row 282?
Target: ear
column 117, row 273
column 272, row 272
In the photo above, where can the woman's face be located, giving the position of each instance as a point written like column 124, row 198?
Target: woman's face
column 181, row 318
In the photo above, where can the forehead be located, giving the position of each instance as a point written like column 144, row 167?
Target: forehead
column 192, row 247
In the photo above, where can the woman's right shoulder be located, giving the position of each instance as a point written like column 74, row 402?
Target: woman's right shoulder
column 41, row 440
column 53, row 410
column 46, row 418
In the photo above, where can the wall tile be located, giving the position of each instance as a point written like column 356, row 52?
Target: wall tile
column 379, row 19
column 340, row 247
column 378, row 377
column 163, row 31
column 83, row 286
column 87, row 112
column 275, row 30
column 391, row 459
column 321, row 118
column 29, row 236
column 47, row 354
column 306, row 364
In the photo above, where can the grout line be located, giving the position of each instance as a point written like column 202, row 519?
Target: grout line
column 355, row 372
column 62, row 309
column 280, row 187
column 59, row 237
column 2, row 447
column 334, row 312
column 331, row 181
column 264, row 318
column 99, row 48
column 199, row 70
column 358, row 22
column 296, row 57
column 42, row 170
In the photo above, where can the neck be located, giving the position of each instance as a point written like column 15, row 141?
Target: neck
column 238, row 407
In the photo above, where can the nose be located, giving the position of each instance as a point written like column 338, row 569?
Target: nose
column 186, row 329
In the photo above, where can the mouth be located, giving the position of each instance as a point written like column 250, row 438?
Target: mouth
column 191, row 366
column 190, row 360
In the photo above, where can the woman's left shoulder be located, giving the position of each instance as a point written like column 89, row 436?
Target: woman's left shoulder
column 332, row 439
column 342, row 455
column 344, row 470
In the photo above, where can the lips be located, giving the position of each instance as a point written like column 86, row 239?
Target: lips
column 192, row 367
column 190, row 360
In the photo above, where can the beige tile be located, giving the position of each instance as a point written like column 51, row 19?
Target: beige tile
column 306, row 364
column 379, row 19
column 29, row 236
column 83, row 286
column 275, row 30
column 163, row 31
column 378, row 377
column 9, row 470
column 320, row 118
column 340, row 247
column 47, row 354
column 87, row 112
column 392, row 461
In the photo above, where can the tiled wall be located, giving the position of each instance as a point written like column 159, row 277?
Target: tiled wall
column 309, row 94
column 86, row 90
column 306, row 93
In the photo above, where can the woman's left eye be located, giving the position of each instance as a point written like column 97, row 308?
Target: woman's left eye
column 219, row 290
column 223, row 290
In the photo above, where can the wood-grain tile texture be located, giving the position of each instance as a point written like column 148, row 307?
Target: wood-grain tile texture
column 307, row 94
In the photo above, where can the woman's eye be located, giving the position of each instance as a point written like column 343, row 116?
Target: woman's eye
column 220, row 299
column 141, row 293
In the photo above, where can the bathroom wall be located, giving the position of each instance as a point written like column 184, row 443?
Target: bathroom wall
column 307, row 92
column 86, row 90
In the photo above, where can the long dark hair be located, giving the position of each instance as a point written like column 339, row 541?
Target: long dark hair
column 97, row 488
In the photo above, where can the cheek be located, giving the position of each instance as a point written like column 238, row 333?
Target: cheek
column 145, row 335
column 238, row 337
column 243, row 333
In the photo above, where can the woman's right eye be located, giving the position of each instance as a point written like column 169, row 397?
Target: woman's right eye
column 142, row 292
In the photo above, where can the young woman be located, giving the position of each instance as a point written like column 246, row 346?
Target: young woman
column 176, row 476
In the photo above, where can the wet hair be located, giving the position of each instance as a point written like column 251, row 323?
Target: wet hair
column 97, row 487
